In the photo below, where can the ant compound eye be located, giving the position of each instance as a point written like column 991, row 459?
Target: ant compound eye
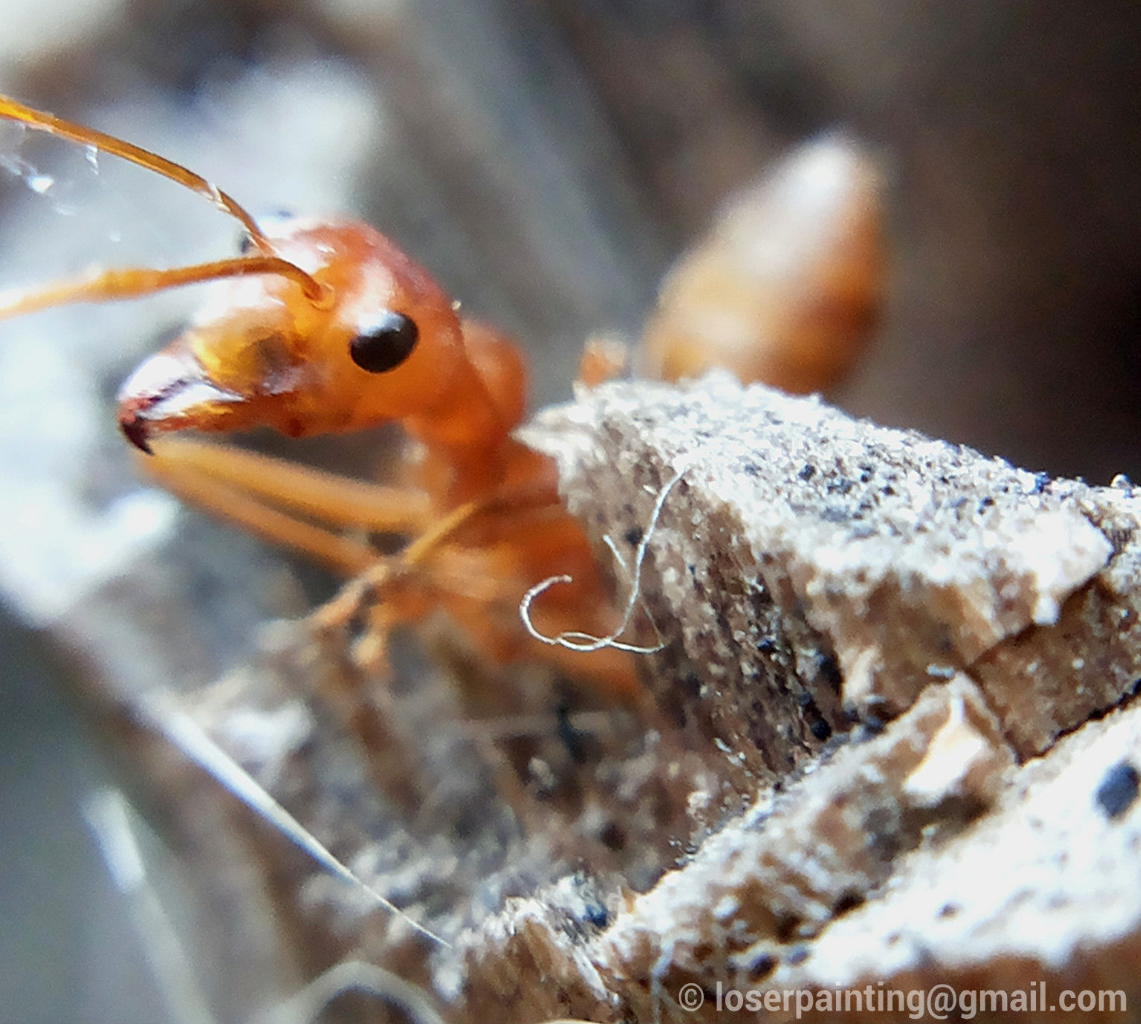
column 385, row 343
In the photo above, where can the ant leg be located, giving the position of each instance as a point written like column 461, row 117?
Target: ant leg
column 315, row 493
column 386, row 572
column 303, row 509
column 284, row 503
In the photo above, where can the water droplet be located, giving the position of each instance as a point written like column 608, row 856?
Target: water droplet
column 40, row 183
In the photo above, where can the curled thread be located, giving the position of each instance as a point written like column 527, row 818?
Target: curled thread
column 575, row 640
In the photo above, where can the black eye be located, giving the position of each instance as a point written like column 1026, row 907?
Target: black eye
column 385, row 344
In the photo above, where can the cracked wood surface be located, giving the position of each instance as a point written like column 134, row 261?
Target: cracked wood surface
column 821, row 568
column 947, row 617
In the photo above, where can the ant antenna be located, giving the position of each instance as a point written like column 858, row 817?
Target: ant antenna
column 89, row 290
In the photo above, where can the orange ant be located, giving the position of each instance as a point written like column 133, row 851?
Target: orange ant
column 327, row 327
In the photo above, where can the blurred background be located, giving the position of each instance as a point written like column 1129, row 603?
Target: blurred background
column 547, row 159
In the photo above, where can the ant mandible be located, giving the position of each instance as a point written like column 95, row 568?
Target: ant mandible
column 325, row 326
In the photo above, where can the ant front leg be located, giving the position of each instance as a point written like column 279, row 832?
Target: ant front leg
column 324, row 517
column 317, row 514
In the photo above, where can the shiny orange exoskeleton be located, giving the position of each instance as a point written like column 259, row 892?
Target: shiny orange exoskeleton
column 327, row 327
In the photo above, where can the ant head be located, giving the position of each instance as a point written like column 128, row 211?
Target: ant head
column 382, row 342
column 319, row 327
